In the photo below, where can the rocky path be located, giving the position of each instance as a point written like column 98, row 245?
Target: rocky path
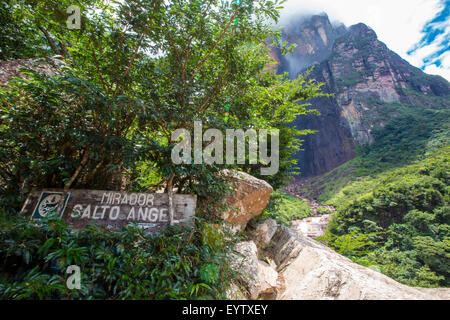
column 312, row 227
column 316, row 225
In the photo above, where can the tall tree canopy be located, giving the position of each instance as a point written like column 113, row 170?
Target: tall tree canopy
column 133, row 73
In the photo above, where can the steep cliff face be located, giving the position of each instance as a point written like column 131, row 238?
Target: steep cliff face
column 314, row 37
column 370, row 84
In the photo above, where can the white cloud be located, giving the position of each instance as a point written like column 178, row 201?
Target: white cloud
column 440, row 71
column 398, row 23
column 417, row 58
column 444, row 69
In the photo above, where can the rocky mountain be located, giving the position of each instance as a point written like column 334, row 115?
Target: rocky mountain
column 370, row 85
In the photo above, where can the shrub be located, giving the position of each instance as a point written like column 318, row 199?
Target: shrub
column 128, row 264
column 410, row 206
column 284, row 208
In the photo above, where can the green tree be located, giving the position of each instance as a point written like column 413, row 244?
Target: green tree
column 134, row 73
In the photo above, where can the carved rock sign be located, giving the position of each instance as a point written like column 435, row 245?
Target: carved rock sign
column 111, row 209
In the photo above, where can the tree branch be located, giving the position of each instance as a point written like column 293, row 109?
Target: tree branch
column 85, row 159
column 188, row 48
column 119, row 52
column 98, row 67
column 172, row 43
column 214, row 93
column 130, row 64
column 215, row 45
column 49, row 39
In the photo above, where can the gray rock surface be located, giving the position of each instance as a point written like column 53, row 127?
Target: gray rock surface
column 312, row 271
column 257, row 278
column 295, row 267
column 264, row 232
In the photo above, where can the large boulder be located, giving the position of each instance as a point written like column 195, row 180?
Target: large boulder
column 263, row 232
column 312, row 271
column 10, row 69
column 267, row 280
column 249, row 199
column 257, row 277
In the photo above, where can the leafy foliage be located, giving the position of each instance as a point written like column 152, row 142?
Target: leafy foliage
column 284, row 208
column 52, row 126
column 354, row 245
column 411, row 207
column 114, row 265
column 133, row 74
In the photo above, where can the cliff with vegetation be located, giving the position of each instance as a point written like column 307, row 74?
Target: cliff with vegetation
column 371, row 85
column 380, row 154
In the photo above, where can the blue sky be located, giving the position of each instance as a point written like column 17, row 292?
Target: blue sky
column 433, row 49
column 418, row 30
